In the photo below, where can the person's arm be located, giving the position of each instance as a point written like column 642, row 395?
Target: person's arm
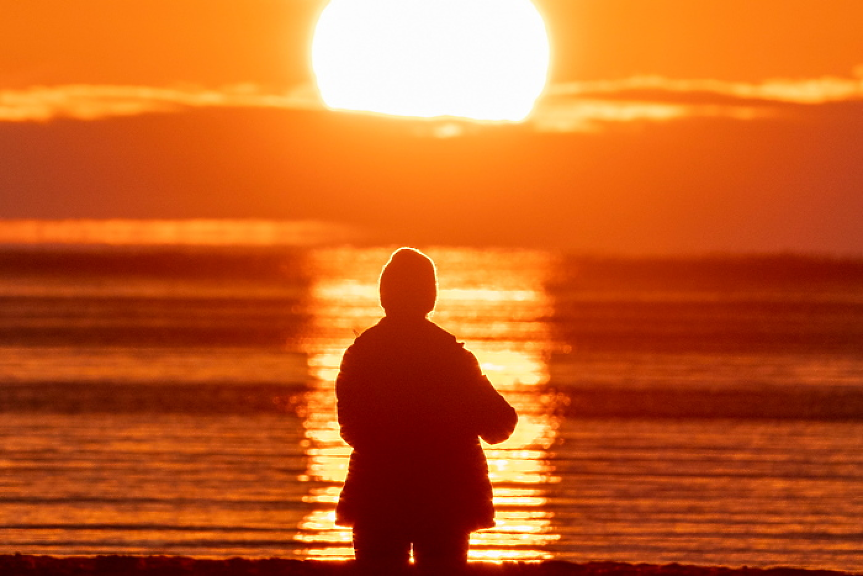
column 495, row 418
column 347, row 400
column 498, row 417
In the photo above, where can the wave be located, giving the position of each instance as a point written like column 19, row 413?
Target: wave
column 26, row 565
column 149, row 397
column 838, row 403
column 573, row 401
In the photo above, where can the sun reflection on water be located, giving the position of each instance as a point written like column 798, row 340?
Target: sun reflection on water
column 501, row 320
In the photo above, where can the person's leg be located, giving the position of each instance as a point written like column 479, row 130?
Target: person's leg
column 381, row 550
column 441, row 551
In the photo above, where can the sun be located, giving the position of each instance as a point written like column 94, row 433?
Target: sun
column 478, row 59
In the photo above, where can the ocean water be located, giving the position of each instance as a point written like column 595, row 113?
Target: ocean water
column 179, row 400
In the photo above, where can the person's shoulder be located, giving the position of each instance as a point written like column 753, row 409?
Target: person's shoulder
column 364, row 347
column 448, row 344
column 370, row 335
column 435, row 332
column 415, row 332
column 453, row 353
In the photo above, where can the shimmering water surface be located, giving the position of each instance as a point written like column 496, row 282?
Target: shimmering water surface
column 180, row 401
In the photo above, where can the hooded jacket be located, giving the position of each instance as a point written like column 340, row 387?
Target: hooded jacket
column 413, row 403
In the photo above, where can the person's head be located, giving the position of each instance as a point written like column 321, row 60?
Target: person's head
column 408, row 284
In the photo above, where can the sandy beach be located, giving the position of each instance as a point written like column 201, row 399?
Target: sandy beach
column 28, row 565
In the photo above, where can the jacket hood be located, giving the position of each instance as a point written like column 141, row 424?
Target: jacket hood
column 408, row 284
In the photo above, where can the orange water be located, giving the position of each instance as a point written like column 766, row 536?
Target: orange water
column 183, row 404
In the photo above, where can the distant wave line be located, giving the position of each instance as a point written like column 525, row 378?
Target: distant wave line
column 270, row 504
column 838, row 403
column 142, row 527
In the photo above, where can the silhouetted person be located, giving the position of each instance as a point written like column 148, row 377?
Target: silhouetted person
column 413, row 403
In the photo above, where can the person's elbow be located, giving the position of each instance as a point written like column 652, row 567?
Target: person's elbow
column 502, row 429
column 348, row 434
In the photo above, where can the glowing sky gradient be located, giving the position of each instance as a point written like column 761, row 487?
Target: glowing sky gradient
column 667, row 126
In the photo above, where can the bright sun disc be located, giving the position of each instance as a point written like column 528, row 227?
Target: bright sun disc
column 479, row 59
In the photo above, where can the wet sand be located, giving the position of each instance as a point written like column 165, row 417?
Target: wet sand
column 27, row 565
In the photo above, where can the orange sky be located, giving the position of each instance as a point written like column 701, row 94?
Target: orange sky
column 668, row 126
column 217, row 42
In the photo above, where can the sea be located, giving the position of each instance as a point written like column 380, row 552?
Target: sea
column 164, row 397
